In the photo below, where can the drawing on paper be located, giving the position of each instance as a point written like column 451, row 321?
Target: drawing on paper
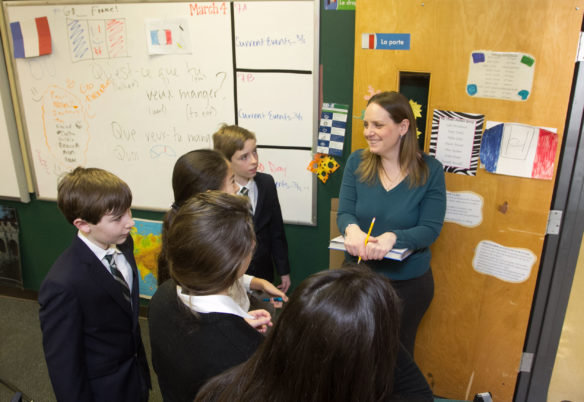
column 168, row 36
column 97, row 39
column 519, row 150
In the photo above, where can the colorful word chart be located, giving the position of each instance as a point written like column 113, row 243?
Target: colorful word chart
column 331, row 131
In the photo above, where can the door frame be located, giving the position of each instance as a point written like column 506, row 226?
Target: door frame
column 559, row 257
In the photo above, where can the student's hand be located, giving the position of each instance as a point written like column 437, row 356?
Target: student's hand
column 272, row 291
column 355, row 241
column 267, row 287
column 378, row 246
column 285, row 285
column 261, row 320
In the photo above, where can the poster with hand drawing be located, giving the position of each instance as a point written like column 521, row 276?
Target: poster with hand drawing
column 519, row 150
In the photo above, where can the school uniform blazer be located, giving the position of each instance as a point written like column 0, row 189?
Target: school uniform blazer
column 91, row 335
column 272, row 247
column 187, row 350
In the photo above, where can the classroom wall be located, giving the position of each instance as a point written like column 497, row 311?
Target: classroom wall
column 44, row 233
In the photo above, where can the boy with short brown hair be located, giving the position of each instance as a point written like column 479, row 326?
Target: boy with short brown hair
column 239, row 147
column 89, row 299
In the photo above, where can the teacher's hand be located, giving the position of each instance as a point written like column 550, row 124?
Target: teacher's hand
column 286, row 282
column 355, row 240
column 380, row 245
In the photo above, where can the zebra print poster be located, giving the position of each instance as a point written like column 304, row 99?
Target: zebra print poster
column 456, row 140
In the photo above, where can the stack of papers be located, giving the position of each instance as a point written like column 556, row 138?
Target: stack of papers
column 399, row 254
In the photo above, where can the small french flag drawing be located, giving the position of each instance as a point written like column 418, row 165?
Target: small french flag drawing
column 31, row 38
column 161, row 37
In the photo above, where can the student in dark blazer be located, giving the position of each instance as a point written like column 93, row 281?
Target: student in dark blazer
column 196, row 329
column 337, row 339
column 89, row 305
column 272, row 248
column 239, row 147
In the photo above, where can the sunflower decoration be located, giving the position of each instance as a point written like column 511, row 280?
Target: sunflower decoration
column 417, row 109
column 323, row 165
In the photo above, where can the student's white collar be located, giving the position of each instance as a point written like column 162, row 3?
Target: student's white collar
column 99, row 252
column 211, row 304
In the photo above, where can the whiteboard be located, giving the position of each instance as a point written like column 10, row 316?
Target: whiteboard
column 295, row 183
column 103, row 98
column 283, row 40
column 13, row 180
column 262, row 108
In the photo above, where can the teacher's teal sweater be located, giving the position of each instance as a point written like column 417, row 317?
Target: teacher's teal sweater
column 414, row 214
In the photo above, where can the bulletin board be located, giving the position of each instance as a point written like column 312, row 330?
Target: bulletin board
column 130, row 87
column 471, row 338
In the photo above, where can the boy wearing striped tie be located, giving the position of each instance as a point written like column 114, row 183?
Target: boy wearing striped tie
column 89, row 299
column 239, row 147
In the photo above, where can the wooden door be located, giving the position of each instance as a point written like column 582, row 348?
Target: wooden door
column 471, row 339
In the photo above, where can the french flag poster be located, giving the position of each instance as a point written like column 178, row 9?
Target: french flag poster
column 31, row 38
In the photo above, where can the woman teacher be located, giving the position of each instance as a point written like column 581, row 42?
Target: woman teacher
column 403, row 189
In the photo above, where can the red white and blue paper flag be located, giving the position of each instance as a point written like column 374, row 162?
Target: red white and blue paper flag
column 161, row 36
column 168, row 36
column 31, row 38
column 519, row 150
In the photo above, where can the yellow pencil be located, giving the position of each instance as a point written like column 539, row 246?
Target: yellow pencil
column 367, row 238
